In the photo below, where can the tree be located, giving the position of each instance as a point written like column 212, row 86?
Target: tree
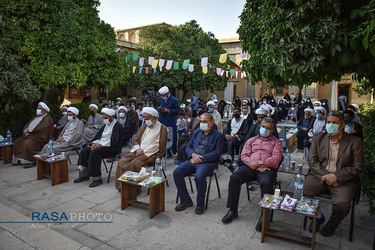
column 61, row 42
column 298, row 42
column 186, row 41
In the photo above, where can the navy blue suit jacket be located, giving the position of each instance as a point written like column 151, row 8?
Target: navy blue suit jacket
column 213, row 150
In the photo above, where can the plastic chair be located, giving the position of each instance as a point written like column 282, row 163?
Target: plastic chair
column 169, row 145
column 113, row 159
column 76, row 149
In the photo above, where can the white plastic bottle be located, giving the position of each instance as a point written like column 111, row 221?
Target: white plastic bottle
column 9, row 136
column 158, row 167
column 298, row 186
column 50, row 147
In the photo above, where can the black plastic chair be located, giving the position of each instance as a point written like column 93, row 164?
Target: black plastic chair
column 76, row 149
column 327, row 195
column 208, row 189
column 113, row 159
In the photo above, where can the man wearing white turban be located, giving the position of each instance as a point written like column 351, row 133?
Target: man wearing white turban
column 169, row 107
column 304, row 124
column 149, row 142
column 36, row 133
column 107, row 143
column 93, row 125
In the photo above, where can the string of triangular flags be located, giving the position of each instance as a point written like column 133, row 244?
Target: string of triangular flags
column 185, row 65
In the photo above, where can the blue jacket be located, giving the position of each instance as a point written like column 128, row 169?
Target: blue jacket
column 169, row 119
column 214, row 146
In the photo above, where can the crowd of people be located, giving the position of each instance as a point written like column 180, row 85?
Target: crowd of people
column 205, row 135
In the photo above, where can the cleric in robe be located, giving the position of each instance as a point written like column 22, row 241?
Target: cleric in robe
column 93, row 125
column 169, row 107
column 71, row 135
column 35, row 135
column 149, row 142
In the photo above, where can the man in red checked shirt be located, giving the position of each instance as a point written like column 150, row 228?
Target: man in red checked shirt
column 261, row 155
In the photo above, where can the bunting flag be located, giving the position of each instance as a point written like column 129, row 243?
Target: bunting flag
column 204, row 62
column 154, row 70
column 146, row 70
column 169, row 64
column 204, row 70
column 244, row 54
column 214, row 69
column 135, row 57
column 141, row 61
column 236, row 69
column 232, row 72
column 176, row 65
column 185, row 64
column 191, row 67
column 127, row 58
column 140, row 70
column 223, row 58
column 222, row 73
column 150, row 60
column 134, row 69
column 226, row 74
column 161, row 69
column 161, row 63
column 154, row 63
column 236, row 74
column 218, row 71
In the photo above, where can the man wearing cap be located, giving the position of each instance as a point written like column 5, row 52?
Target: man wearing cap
column 61, row 122
column 71, row 135
column 36, row 134
column 216, row 115
column 169, row 108
column 304, row 125
column 93, row 125
column 149, row 142
column 107, row 143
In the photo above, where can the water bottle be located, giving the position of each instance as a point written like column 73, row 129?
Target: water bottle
column 50, row 147
column 158, row 167
column 287, row 159
column 298, row 186
column 9, row 136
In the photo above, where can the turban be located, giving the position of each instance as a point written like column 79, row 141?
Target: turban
column 308, row 110
column 245, row 101
column 163, row 90
column 321, row 109
column 210, row 103
column 134, row 98
column 188, row 100
column 216, row 100
column 318, row 102
column 150, row 111
column 64, row 107
column 119, row 98
column 74, row 110
column 350, row 107
column 94, row 106
column 356, row 106
column 182, row 106
column 108, row 111
column 228, row 102
column 44, row 106
column 261, row 112
column 123, row 108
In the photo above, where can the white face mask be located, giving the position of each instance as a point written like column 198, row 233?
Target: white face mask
column 149, row 123
column 64, row 113
column 70, row 118
column 203, row 126
column 122, row 115
column 106, row 121
column 38, row 112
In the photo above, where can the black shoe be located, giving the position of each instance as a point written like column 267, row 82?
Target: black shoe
column 199, row 210
column 327, row 231
column 258, row 227
column 229, row 166
column 96, row 183
column 183, row 206
column 230, row 216
column 31, row 165
column 319, row 222
column 80, row 179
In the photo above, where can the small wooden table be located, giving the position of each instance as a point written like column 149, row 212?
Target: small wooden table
column 6, row 152
column 266, row 230
column 129, row 197
column 57, row 171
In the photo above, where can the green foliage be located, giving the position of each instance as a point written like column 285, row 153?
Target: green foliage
column 186, row 41
column 367, row 175
column 298, row 42
column 84, row 110
column 17, row 118
column 114, row 93
column 363, row 87
column 57, row 43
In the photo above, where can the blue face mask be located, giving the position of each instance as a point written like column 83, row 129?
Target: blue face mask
column 211, row 110
column 332, row 129
column 318, row 116
column 264, row 132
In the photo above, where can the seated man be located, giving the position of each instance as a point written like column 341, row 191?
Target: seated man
column 304, row 125
column 318, row 127
column 133, row 115
column 93, row 125
column 216, row 115
column 126, row 122
column 335, row 161
column 150, row 142
column 35, row 135
column 71, row 135
column 261, row 156
column 107, row 143
column 63, row 119
column 204, row 151
column 234, row 133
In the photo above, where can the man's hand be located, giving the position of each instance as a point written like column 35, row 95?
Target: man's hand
column 336, row 184
column 196, row 158
column 263, row 169
column 229, row 137
column 83, row 120
column 330, row 179
column 140, row 152
column 58, row 127
column 60, row 140
column 305, row 129
column 254, row 165
column 95, row 146
column 166, row 110
column 91, row 126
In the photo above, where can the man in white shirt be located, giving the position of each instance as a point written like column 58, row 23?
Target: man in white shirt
column 107, row 143
column 266, row 106
column 140, row 113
